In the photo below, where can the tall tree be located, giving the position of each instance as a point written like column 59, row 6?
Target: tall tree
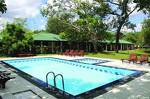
column 85, row 21
column 3, row 7
column 91, row 22
column 120, row 12
column 146, row 31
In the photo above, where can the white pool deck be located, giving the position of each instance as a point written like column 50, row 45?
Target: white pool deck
column 138, row 88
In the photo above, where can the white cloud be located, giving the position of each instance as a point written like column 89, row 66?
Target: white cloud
column 23, row 8
column 138, row 27
column 20, row 9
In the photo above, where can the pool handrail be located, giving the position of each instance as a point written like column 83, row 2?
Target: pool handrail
column 47, row 77
column 62, row 81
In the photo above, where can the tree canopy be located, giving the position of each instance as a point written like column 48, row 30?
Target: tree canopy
column 55, row 25
column 3, row 7
column 146, row 31
column 16, row 39
column 91, row 19
column 143, row 5
column 84, row 20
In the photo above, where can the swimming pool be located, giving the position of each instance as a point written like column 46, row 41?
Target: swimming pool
column 91, row 61
column 79, row 78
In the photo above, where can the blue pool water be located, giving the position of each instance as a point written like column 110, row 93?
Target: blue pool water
column 91, row 60
column 78, row 77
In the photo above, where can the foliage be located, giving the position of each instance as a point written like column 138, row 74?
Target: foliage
column 146, row 31
column 143, row 5
column 3, row 7
column 89, row 18
column 55, row 25
column 38, row 31
column 120, row 12
column 135, row 37
column 57, row 8
column 131, row 37
column 82, row 22
column 16, row 39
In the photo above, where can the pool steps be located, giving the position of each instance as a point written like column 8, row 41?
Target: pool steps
column 54, row 80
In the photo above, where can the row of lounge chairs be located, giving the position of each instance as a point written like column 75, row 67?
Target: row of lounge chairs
column 134, row 58
column 24, row 55
column 4, row 77
column 73, row 53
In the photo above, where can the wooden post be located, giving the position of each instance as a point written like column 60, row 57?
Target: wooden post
column 52, row 47
column 61, row 46
column 87, row 48
column 41, row 47
column 106, row 47
column 111, row 47
column 120, row 46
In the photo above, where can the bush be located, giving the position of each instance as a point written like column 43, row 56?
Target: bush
column 15, row 39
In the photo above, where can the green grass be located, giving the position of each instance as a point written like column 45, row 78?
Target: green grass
column 109, row 54
column 120, row 55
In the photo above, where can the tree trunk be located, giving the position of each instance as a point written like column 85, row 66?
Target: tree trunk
column 117, row 38
column 95, row 46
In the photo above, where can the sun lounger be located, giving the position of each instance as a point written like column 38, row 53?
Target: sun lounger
column 66, row 52
column 143, row 59
column 75, row 53
column 24, row 55
column 4, row 77
column 81, row 53
column 132, row 58
column 71, row 53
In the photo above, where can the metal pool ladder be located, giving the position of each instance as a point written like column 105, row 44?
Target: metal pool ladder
column 54, row 80
column 47, row 77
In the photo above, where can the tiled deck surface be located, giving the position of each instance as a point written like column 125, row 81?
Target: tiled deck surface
column 18, row 85
column 139, row 88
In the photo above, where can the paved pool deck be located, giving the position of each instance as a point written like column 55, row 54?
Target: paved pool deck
column 139, row 88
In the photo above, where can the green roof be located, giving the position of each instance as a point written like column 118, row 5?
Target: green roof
column 43, row 36
column 124, row 42
column 120, row 41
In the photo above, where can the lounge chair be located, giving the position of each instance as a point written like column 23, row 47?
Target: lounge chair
column 143, row 59
column 75, row 53
column 71, row 53
column 81, row 53
column 4, row 77
column 66, row 52
column 24, row 55
column 132, row 58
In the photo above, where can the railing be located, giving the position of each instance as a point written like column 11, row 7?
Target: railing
column 47, row 77
column 54, row 80
column 62, row 81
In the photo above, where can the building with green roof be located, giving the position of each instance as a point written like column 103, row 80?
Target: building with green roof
column 44, row 36
column 51, row 43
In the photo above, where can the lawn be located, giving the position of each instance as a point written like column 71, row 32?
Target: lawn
column 120, row 55
column 109, row 54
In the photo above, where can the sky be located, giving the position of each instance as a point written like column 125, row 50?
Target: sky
column 30, row 9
